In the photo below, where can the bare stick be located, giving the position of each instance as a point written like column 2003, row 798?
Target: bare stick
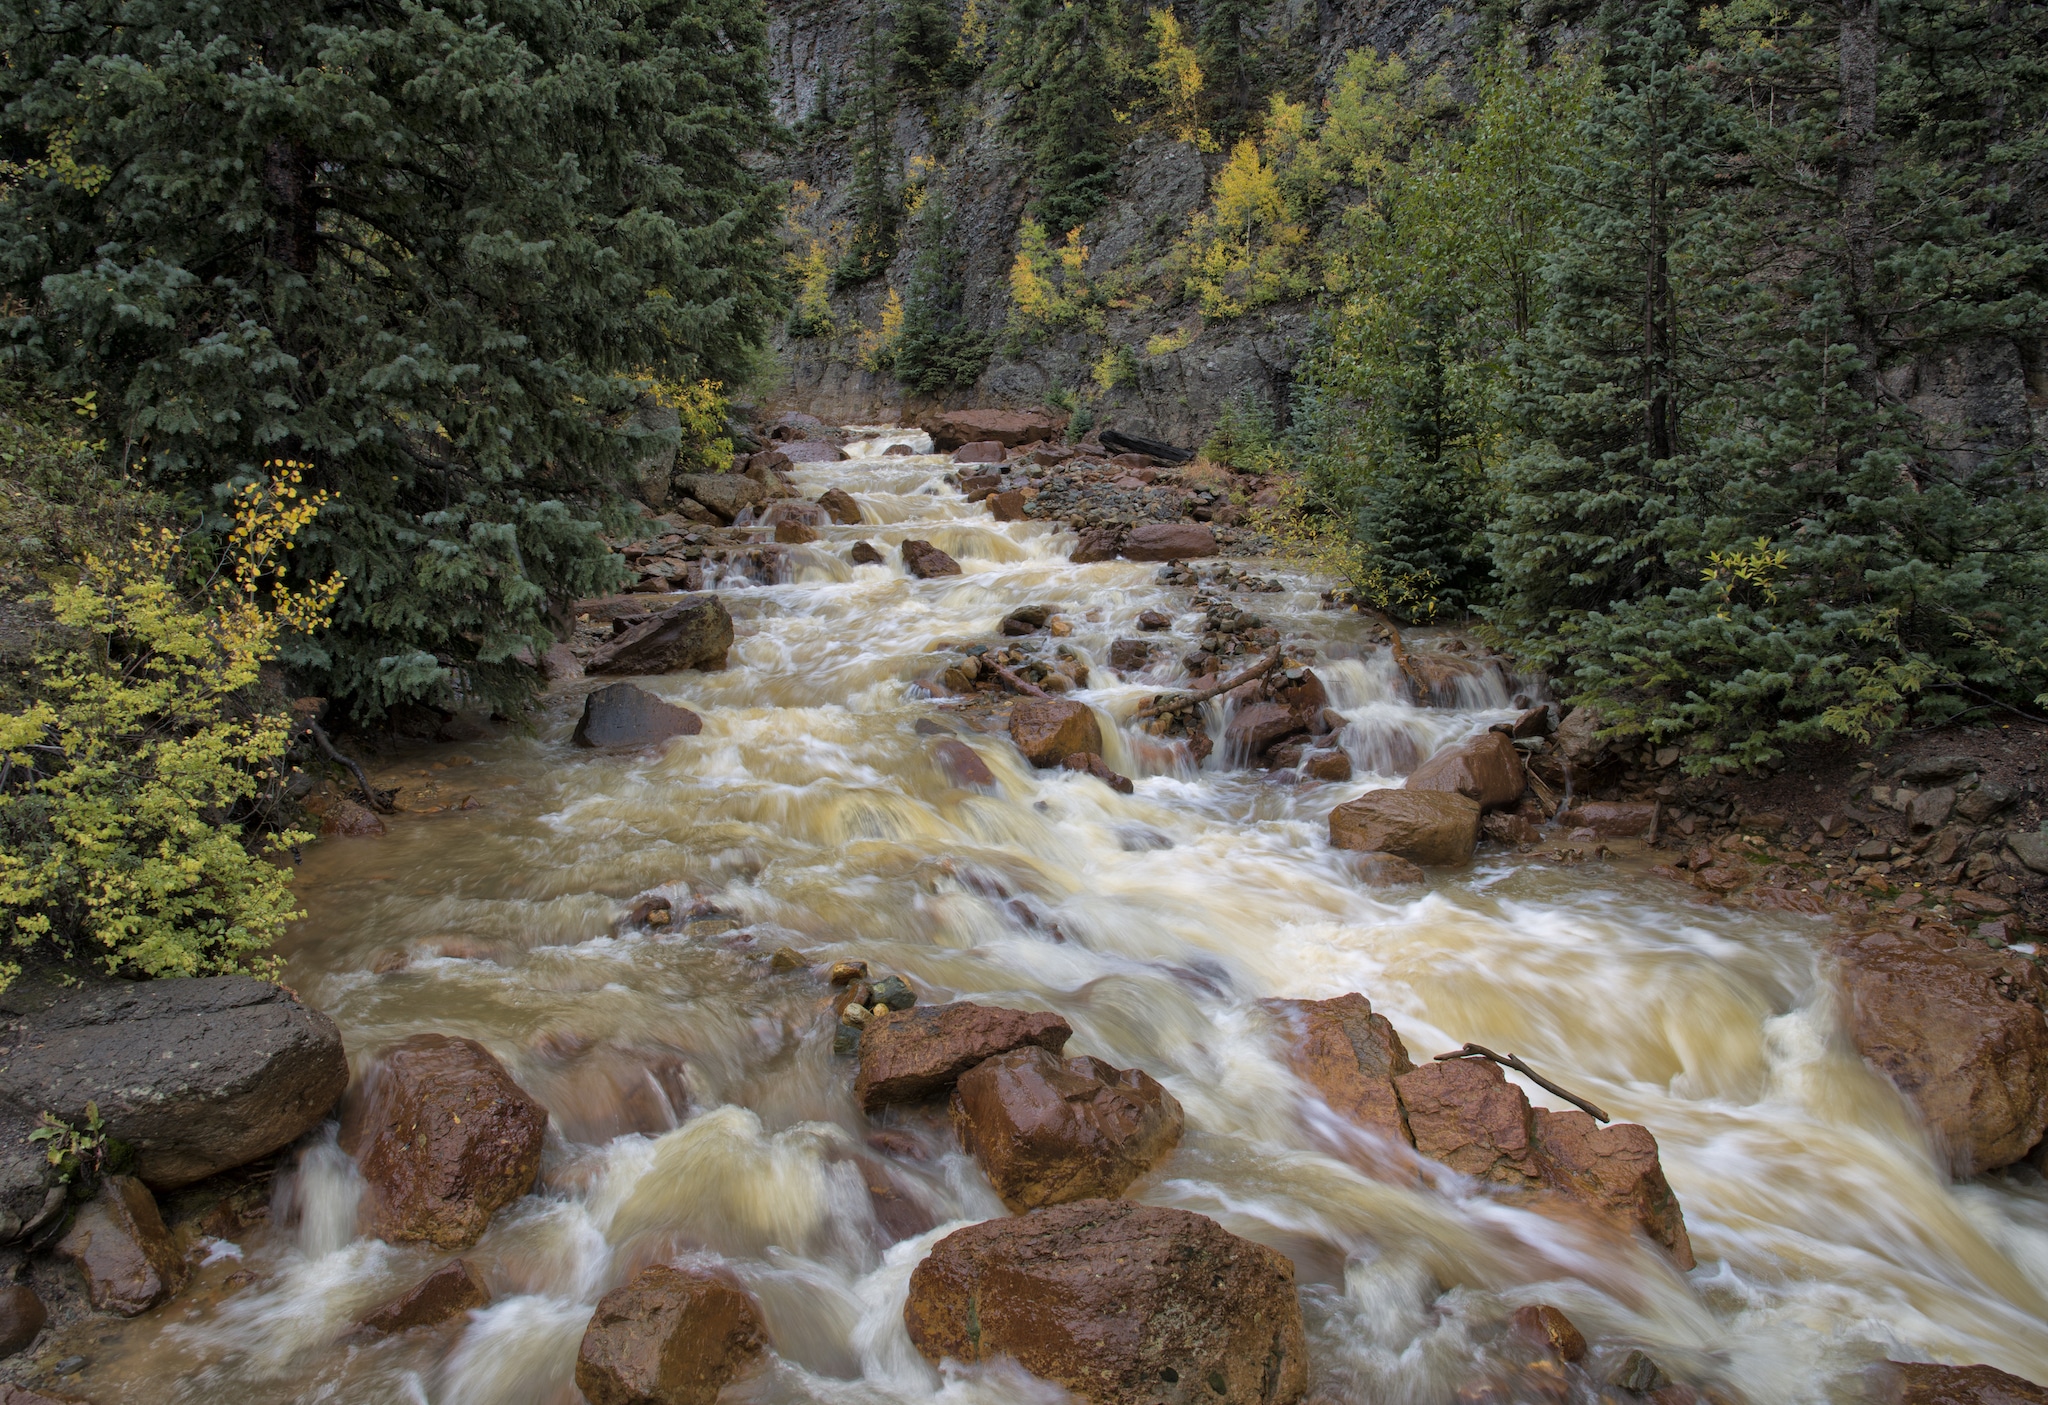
column 370, row 796
column 1258, row 669
column 1480, row 1051
column 1029, row 689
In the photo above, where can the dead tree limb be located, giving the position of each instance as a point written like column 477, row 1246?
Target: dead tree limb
column 1259, row 668
column 1029, row 689
column 375, row 799
column 1480, row 1051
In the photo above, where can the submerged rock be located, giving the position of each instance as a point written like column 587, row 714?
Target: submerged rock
column 912, row 1055
column 1485, row 768
column 444, row 1139
column 119, row 1243
column 669, row 1337
column 864, row 554
column 1049, row 730
column 962, row 764
column 1122, row 1304
column 1091, row 764
column 1971, row 1060
column 694, row 634
column 1385, row 870
column 449, row 1291
column 1544, row 1326
column 1048, row 1131
column 1429, row 827
column 623, row 715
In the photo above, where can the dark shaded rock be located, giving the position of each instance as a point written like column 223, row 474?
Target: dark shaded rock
column 1429, row 827
column 1930, row 809
column 1350, row 1055
column 912, row 1055
column 1935, row 770
column 1117, row 442
column 1988, row 800
column 22, row 1317
column 864, row 554
column 963, row 765
column 623, row 715
column 893, row 991
column 444, row 1139
column 1638, row 1374
column 812, row 451
column 1123, row 1304
column 1385, row 870
column 1973, row 1062
column 793, row 533
column 119, row 1243
column 794, row 424
column 1130, row 655
column 1169, row 541
column 669, row 1337
column 924, row 560
column 1025, row 619
column 1485, row 768
column 1049, row 1131
column 346, row 818
column 694, row 634
column 1095, row 766
column 1612, row 819
column 1049, row 730
column 198, row 1074
column 1154, row 619
column 840, row 507
column 449, row 1291
column 1924, row 1383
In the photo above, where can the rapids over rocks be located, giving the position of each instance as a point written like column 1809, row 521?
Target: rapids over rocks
column 699, row 1114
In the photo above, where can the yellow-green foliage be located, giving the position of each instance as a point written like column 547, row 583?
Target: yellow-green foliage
column 1304, row 530
column 876, row 350
column 701, row 406
column 120, row 778
column 1244, row 251
column 811, row 255
column 1049, row 286
column 1176, row 77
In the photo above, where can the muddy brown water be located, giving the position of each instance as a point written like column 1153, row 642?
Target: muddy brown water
column 698, row 1110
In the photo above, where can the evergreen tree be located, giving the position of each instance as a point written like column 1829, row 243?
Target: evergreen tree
column 1231, row 80
column 877, row 197
column 927, row 45
column 429, row 252
column 935, row 351
column 1065, row 60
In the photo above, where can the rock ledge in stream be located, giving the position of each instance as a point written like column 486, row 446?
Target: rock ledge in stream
column 694, row 634
column 1485, row 768
column 198, row 1074
column 911, row 1055
column 924, row 560
column 669, row 1337
column 1122, row 1304
column 1351, row 1056
column 444, row 1139
column 1049, row 1131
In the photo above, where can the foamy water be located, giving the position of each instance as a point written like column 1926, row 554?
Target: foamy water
column 699, row 1112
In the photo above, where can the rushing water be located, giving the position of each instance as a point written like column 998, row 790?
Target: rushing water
column 698, row 1110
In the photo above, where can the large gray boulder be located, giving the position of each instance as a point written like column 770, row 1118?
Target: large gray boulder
column 694, row 634
column 198, row 1075
column 725, row 494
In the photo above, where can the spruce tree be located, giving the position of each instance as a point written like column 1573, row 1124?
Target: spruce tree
column 936, row 351
column 1230, row 69
column 877, row 197
column 926, row 44
column 1065, row 60
column 428, row 252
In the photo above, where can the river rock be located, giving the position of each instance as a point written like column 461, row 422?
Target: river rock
column 793, row 424
column 1464, row 1113
column 1130, row 655
column 1485, row 768
column 864, row 554
column 1049, row 1131
column 924, row 561
column 1351, row 1056
column 1006, row 507
column 1385, row 870
column 1544, row 1327
column 1328, row 765
column 623, row 715
column 119, row 1243
column 694, row 634
column 1091, row 764
column 1974, row 1062
column 962, row 764
column 808, row 514
column 1924, row 1383
column 1121, row 1304
column 1049, row 730
column 840, row 507
column 813, row 451
column 444, row 1139
column 1097, row 544
column 1429, row 827
column 726, row 495
column 670, row 1337
column 793, row 533
column 449, row 1291
column 346, row 818
column 1612, row 819
column 1169, row 541
column 1930, row 809
column 981, row 451
column 1009, row 428
column 908, row 1056
column 22, row 1317
column 197, row 1074
column 1616, row 1170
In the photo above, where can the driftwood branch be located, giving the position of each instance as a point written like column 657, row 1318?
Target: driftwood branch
column 1480, row 1051
column 1259, row 668
column 1022, row 685
column 376, row 800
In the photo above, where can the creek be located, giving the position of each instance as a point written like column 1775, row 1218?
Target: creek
column 698, row 1108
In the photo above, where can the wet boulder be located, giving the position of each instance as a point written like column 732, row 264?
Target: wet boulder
column 1130, row 655
column 1122, row 1304
column 694, row 634
column 793, row 533
column 794, row 424
column 1097, row 544
column 962, row 764
column 1154, row 619
column 1616, row 1171
column 909, row 1056
column 1612, row 819
column 1385, row 870
column 1350, row 1055
column 1464, row 1113
column 1025, row 619
column 1088, row 763
column 1009, row 428
column 981, row 451
column 444, row 1139
column 1169, row 541
column 1485, row 768
column 623, row 715
column 1926, row 1383
column 346, row 818
column 1007, row 506
column 119, row 1243
column 840, row 507
column 864, row 554
column 1049, row 730
column 1048, row 1131
column 1327, row 765
column 670, row 1337
column 197, row 1074
column 812, row 451
column 1428, row 827
column 449, row 1291
column 1971, row 1059
column 1548, row 1330
column 724, row 495
column 807, row 514
column 924, row 561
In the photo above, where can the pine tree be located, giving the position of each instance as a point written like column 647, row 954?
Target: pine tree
column 1230, row 67
column 936, row 351
column 927, row 43
column 877, row 197
column 431, row 252
column 1065, row 60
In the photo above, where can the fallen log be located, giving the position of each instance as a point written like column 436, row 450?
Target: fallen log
column 1197, row 696
column 1029, row 689
column 1480, row 1051
column 1118, row 442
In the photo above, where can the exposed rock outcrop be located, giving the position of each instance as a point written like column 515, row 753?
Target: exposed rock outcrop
column 726, row 495
column 910, row 1055
column 1122, row 1304
column 1049, row 1130
column 669, row 1337
column 1009, row 428
column 1925, row 1383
